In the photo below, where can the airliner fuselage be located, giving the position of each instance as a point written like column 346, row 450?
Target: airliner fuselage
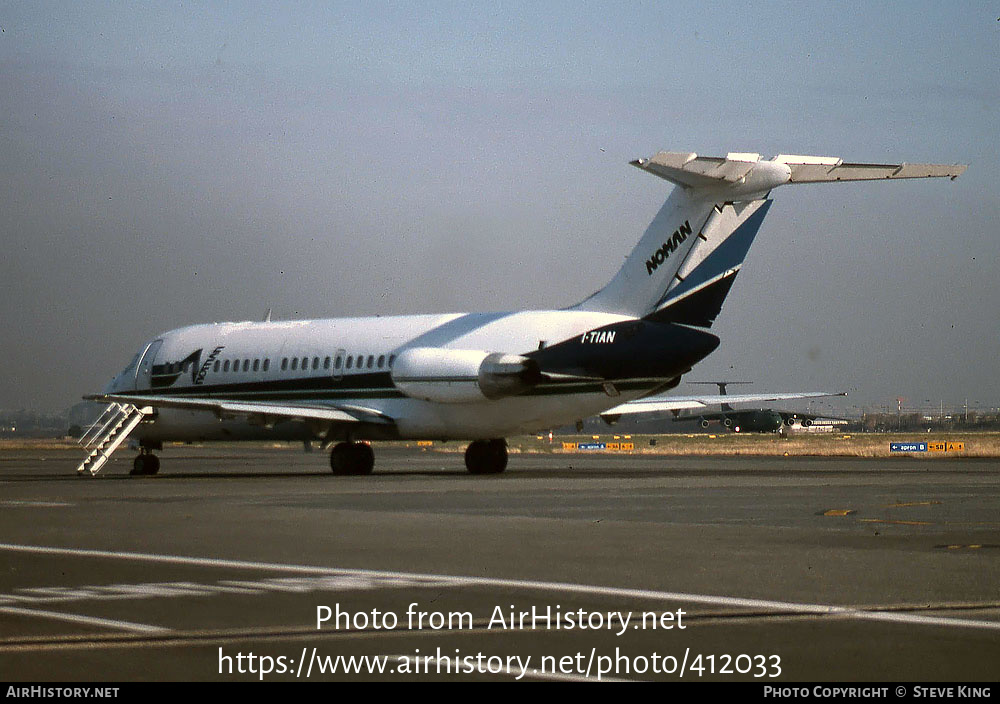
column 348, row 362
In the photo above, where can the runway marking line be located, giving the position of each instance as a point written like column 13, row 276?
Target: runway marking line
column 895, row 523
column 36, row 504
column 87, row 620
column 525, row 584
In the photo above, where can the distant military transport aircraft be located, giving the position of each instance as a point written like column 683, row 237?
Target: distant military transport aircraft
column 750, row 420
column 473, row 376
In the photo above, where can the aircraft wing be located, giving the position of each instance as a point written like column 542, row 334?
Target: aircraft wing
column 260, row 411
column 656, row 405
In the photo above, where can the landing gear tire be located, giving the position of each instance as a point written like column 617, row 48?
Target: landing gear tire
column 145, row 465
column 486, row 456
column 352, row 458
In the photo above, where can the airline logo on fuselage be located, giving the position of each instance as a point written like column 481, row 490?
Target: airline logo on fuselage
column 667, row 248
column 168, row 373
column 199, row 378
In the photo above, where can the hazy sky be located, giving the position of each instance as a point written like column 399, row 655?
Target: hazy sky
column 172, row 163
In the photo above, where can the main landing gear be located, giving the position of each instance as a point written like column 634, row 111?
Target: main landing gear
column 145, row 464
column 486, row 456
column 352, row 458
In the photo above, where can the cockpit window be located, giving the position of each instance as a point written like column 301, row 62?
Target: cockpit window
column 130, row 369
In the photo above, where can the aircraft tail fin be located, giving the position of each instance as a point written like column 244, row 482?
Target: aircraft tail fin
column 685, row 264
column 722, row 389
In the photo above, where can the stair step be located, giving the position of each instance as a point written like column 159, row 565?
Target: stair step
column 115, row 424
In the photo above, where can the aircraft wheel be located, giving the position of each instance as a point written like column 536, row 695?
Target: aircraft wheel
column 145, row 465
column 352, row 458
column 340, row 458
column 364, row 458
column 486, row 456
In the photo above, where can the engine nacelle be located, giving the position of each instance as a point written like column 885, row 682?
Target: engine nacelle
column 462, row 376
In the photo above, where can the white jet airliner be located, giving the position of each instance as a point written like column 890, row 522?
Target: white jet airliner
column 474, row 376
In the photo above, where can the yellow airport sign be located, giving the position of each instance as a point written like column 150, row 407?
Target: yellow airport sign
column 569, row 445
column 936, row 447
column 956, row 447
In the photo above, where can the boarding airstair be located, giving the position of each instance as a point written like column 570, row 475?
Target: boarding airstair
column 109, row 431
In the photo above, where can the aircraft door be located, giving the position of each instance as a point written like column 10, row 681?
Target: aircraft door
column 144, row 370
column 338, row 364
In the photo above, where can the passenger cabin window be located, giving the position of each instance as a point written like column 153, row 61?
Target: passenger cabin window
column 267, row 364
column 337, row 362
column 256, row 365
column 315, row 362
column 216, row 367
column 295, row 363
column 350, row 360
column 371, row 361
column 392, row 358
column 225, row 367
column 246, row 365
column 284, row 363
column 326, row 363
column 381, row 361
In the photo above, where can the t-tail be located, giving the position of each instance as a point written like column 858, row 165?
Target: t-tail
column 722, row 389
column 687, row 260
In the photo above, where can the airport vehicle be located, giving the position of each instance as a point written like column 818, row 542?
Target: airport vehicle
column 756, row 420
column 473, row 376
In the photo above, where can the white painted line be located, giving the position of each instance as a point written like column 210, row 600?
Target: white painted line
column 42, row 504
column 181, row 560
column 898, row 617
column 89, row 620
column 522, row 584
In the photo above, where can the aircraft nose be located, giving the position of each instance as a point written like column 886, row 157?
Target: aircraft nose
column 118, row 382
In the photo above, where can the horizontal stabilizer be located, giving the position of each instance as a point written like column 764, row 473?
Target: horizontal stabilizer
column 689, row 169
column 817, row 169
column 736, row 170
